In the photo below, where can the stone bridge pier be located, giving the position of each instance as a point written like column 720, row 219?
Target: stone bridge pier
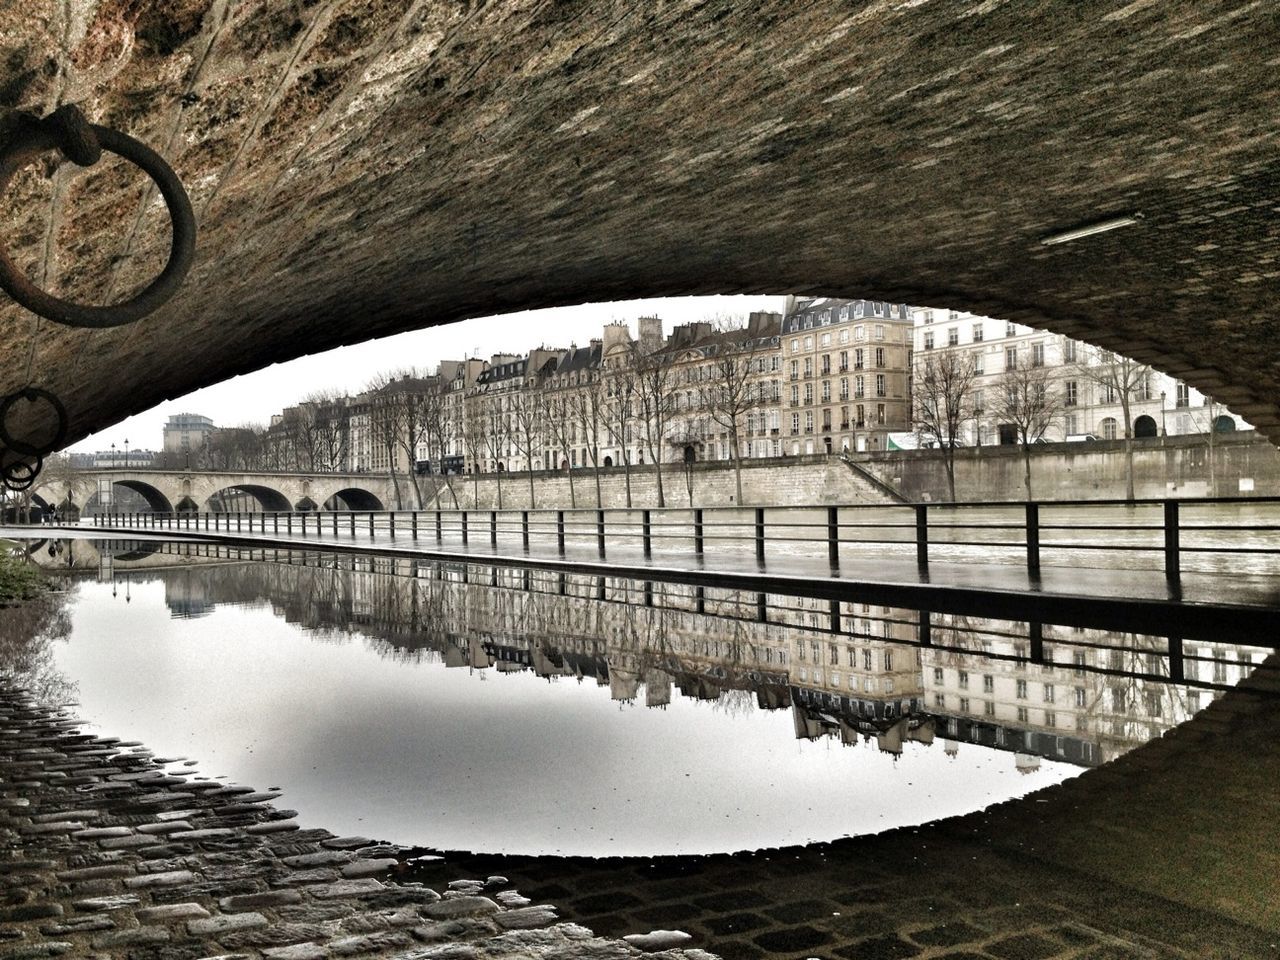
column 168, row 491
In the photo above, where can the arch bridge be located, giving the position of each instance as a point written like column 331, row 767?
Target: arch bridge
column 169, row 491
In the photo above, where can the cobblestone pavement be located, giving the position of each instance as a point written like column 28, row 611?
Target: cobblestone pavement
column 1168, row 852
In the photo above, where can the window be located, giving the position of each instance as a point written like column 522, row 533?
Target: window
column 808, row 343
column 826, row 364
column 1081, row 697
column 927, row 315
column 1068, row 351
column 826, row 391
column 826, row 420
column 844, row 336
column 978, row 362
column 1011, row 358
column 795, row 423
column 977, row 333
column 1037, row 354
column 880, row 414
column 795, row 345
column 1021, row 692
column 928, row 339
column 859, row 332
column 953, row 336
column 1183, row 398
column 859, row 387
column 1049, row 693
column 1050, row 718
column 857, row 359
column 795, row 395
column 964, row 704
column 1108, row 393
column 1072, row 395
column 844, row 360
column 879, row 331
column 1010, row 330
column 940, row 701
column 880, row 385
column 1108, row 428
column 988, row 708
column 808, row 393
column 879, row 356
column 853, row 656
column 988, row 683
column 795, row 369
column 775, row 363
column 844, row 389
column 979, row 402
column 808, row 421
column 808, row 367
column 937, row 675
column 888, row 660
column 844, row 418
column 963, row 678
column 825, row 340
column 835, row 655
column 1022, row 714
column 866, row 659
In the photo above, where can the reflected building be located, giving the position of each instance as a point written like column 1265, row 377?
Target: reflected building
column 848, row 671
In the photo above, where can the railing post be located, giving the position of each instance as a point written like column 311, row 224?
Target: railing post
column 833, row 537
column 1035, row 632
column 700, row 599
column 391, row 524
column 370, row 524
column 335, row 524
column 524, row 528
column 697, row 533
column 493, row 528
column 439, row 528
column 288, row 519
column 238, row 521
column 648, row 591
column 760, row 534
column 600, row 531
column 275, row 523
column 560, row 531
column 1033, row 539
column 464, row 527
column 925, row 633
column 351, row 518
column 413, row 519
column 762, row 607
column 922, row 535
column 1172, row 548
column 646, row 534
column 1177, row 667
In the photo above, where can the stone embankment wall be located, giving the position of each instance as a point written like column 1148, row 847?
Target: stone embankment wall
column 809, row 480
column 1243, row 464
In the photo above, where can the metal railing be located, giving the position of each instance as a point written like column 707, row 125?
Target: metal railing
column 1223, row 534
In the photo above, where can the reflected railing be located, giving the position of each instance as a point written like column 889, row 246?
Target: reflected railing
column 846, row 668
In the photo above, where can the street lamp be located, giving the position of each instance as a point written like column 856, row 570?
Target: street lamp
column 1163, row 432
column 114, row 462
column 126, row 453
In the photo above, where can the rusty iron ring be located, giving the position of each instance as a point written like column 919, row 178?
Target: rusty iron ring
column 32, row 394
column 24, row 481
column 65, row 130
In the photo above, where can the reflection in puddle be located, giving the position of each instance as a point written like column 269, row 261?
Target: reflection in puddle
column 529, row 711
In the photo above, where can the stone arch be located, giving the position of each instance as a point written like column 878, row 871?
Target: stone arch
column 608, row 461
column 690, row 454
column 1224, row 424
column 353, row 498
column 266, row 498
column 1145, row 426
column 157, row 502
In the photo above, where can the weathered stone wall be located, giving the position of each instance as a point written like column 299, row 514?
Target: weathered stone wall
column 1163, row 467
column 817, row 479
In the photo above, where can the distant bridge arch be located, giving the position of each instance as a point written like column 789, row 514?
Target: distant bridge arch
column 353, row 498
column 266, row 497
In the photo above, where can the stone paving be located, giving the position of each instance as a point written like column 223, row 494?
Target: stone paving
column 1167, row 852
column 109, row 856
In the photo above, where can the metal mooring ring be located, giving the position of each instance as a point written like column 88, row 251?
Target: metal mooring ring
column 65, row 130
column 19, row 475
column 32, row 394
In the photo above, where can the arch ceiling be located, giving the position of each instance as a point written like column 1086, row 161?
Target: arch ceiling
column 360, row 167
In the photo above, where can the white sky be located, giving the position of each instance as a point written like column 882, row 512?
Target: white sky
column 253, row 398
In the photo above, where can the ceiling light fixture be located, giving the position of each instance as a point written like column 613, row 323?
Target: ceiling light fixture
column 1102, row 226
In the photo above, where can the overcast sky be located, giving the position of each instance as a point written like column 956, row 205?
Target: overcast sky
column 254, row 397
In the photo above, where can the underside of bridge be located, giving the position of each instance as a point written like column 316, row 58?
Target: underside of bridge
column 361, row 167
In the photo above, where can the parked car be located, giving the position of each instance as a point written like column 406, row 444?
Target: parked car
column 1081, row 437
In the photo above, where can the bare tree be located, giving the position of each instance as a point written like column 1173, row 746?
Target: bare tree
column 1123, row 380
column 528, row 428
column 588, row 406
column 557, row 413
column 1027, row 400
column 438, row 430
column 729, row 393
column 385, row 427
column 620, row 410
column 656, row 399
column 943, row 388
column 497, row 438
column 330, row 432
column 475, row 428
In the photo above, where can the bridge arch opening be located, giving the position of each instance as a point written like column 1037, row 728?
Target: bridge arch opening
column 129, row 496
column 353, row 498
column 248, row 498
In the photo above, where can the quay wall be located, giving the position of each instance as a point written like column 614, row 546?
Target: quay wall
column 1243, row 464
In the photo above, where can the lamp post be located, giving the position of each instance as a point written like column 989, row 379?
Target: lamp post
column 1163, row 431
column 126, row 453
column 114, row 462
